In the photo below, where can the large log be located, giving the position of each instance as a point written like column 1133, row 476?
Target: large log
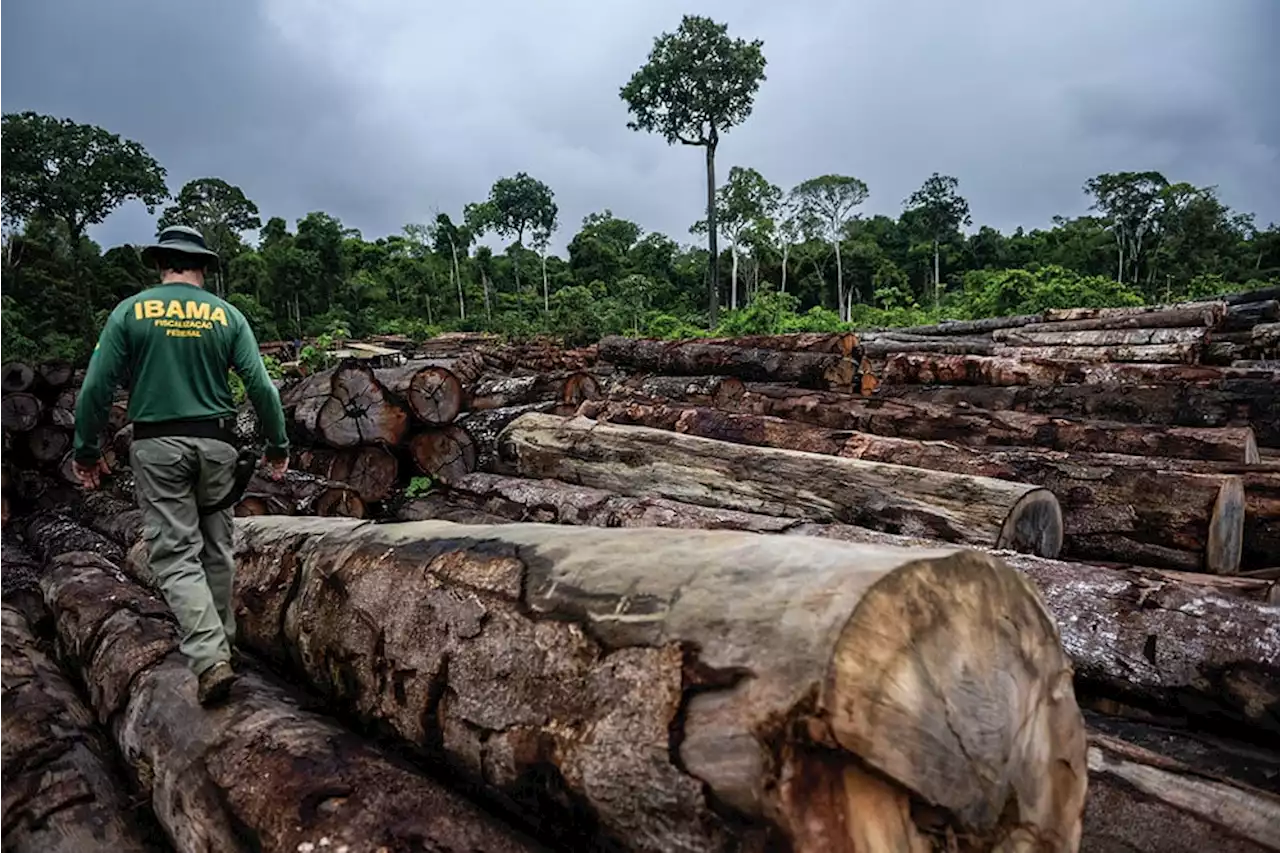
column 885, row 347
column 370, row 470
column 583, row 671
column 838, row 343
column 500, row 392
column 1047, row 336
column 694, row 358
column 1246, row 315
column 1140, row 799
column 1216, row 309
column 444, row 453
column 971, row 327
column 924, row 368
column 20, row 412
column 1166, row 353
column 64, row 408
column 981, row 428
column 55, row 375
column 1112, row 510
column 435, row 391
column 484, row 426
column 258, row 774
column 1249, row 402
column 641, row 461
column 61, row 794
column 1195, row 315
column 346, row 406
column 1212, row 663
column 719, row 391
column 48, row 443
column 16, row 377
column 299, row 493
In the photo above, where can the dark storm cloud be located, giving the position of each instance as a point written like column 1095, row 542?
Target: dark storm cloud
column 383, row 112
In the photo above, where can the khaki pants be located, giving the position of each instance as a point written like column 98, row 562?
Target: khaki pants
column 192, row 557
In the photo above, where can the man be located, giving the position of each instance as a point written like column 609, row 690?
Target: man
column 175, row 343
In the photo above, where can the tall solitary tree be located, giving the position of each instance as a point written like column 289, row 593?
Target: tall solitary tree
column 938, row 210
column 697, row 84
column 218, row 210
column 826, row 204
column 518, row 205
column 1132, row 202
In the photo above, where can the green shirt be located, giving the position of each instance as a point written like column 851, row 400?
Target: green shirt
column 173, row 344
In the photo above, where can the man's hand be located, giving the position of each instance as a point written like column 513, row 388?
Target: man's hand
column 277, row 467
column 90, row 476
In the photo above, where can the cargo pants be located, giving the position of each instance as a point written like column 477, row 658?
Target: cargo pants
column 191, row 556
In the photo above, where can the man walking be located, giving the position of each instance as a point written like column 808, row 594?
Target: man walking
column 175, row 344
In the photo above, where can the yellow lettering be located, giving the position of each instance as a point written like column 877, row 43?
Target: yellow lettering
column 175, row 309
column 137, row 310
column 197, row 310
column 219, row 316
column 153, row 308
column 182, row 333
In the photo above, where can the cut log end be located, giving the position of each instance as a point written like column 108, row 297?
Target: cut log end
column 16, row 376
column 578, row 388
column 1226, row 529
column 1034, row 525
column 435, row 395
column 1251, row 454
column 1000, row 746
column 446, row 454
column 340, row 503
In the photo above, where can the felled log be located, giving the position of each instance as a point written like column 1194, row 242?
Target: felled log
column 972, row 327
column 947, row 345
column 719, row 391
column 1257, row 364
column 346, row 407
column 1140, row 799
column 1168, row 353
column 1210, row 666
column 1216, row 309
column 504, row 391
column 694, row 358
column 370, row 470
column 582, row 671
column 1202, row 315
column 48, row 443
column 964, row 424
column 1114, row 507
column 484, row 426
column 924, row 368
column 443, row 453
column 1147, row 515
column 1047, row 336
column 299, row 493
column 262, row 774
column 434, row 391
column 838, row 343
column 1246, row 402
column 641, row 461
column 64, row 409
column 61, row 794
column 1246, row 315
column 16, row 377
column 20, row 412
column 54, row 375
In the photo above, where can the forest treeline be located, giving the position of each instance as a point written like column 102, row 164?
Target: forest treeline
column 782, row 258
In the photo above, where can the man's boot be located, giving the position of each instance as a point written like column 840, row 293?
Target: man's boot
column 215, row 684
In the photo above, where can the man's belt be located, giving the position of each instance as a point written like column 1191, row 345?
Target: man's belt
column 219, row 429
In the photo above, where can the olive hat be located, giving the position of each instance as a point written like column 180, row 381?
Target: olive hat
column 180, row 238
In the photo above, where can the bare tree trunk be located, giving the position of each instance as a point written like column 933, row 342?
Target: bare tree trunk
column 546, row 288
column 457, row 277
column 937, row 275
column 484, row 283
column 713, row 262
column 733, row 278
column 786, row 253
column 843, row 309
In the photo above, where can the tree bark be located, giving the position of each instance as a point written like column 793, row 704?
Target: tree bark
column 20, row 412
column 713, row 259
column 695, row 358
column 263, row 774
column 433, row 391
column 1111, row 510
column 61, row 792
column 640, row 461
column 299, row 493
column 838, row 343
column 983, row 428
column 971, row 327
column 1211, row 312
column 1047, row 336
column 1210, row 315
column 483, row 428
column 590, row 671
column 1143, row 800
column 64, row 409
column 927, row 369
column 1158, row 353
column 1246, row 315
column 371, row 470
column 1247, row 402
column 16, row 377
column 498, row 392
column 887, row 346
column 719, row 391
column 444, row 453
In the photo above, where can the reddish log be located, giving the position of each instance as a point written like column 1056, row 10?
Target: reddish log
column 696, row 358
column 443, row 453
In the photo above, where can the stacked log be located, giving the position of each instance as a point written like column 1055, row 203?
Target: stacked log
column 260, row 773
column 805, row 367
column 577, row 672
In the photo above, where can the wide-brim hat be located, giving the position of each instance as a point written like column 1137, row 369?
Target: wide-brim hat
column 180, row 238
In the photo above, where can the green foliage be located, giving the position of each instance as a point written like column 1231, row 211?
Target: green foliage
column 997, row 293
column 237, row 386
column 419, row 487
column 220, row 211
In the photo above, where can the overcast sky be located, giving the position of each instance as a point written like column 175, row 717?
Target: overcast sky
column 383, row 111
